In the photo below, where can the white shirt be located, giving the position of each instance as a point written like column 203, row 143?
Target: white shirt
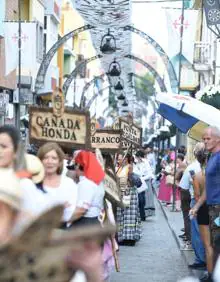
column 152, row 160
column 144, row 171
column 90, row 197
column 65, row 194
column 36, row 202
column 186, row 180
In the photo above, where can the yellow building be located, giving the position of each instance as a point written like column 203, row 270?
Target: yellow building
column 74, row 51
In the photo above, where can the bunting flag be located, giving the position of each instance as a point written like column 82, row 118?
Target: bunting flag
column 174, row 18
column 28, row 46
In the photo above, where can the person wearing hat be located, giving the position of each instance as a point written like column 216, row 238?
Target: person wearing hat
column 90, row 201
column 10, row 203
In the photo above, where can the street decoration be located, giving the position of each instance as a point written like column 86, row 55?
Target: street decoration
column 108, row 43
column 151, row 69
column 212, row 12
column 119, row 85
column 58, row 103
column 73, row 74
column 121, row 97
column 71, row 130
column 40, row 78
column 161, row 52
column 114, row 69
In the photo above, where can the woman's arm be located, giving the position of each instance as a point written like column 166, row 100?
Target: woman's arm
column 196, row 188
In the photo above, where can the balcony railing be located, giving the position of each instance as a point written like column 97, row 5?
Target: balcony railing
column 202, row 56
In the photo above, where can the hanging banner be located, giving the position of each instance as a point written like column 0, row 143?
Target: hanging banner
column 71, row 130
column 131, row 133
column 212, row 11
column 28, row 45
column 106, row 140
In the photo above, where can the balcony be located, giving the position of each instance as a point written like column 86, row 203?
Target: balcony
column 202, row 61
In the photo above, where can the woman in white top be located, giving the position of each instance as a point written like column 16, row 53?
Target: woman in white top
column 57, row 188
column 147, row 197
column 91, row 191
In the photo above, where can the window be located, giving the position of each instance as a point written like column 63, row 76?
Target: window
column 40, row 41
column 45, row 22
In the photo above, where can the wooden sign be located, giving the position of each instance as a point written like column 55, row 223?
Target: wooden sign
column 106, row 139
column 112, row 189
column 71, row 130
column 131, row 133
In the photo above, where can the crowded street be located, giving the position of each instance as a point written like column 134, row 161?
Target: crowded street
column 110, row 140
column 152, row 258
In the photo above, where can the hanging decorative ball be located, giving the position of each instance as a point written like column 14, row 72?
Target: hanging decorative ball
column 108, row 43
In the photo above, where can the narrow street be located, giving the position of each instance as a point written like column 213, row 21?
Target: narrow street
column 156, row 258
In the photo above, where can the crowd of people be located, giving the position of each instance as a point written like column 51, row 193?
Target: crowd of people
column 31, row 184
column 194, row 189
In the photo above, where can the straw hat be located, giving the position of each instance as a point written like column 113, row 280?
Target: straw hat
column 35, row 167
column 10, row 190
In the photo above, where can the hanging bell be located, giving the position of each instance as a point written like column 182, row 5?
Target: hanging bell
column 108, row 43
column 114, row 69
column 125, row 111
column 119, row 85
column 121, row 97
column 125, row 103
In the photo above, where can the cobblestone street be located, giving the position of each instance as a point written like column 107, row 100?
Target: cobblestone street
column 156, row 258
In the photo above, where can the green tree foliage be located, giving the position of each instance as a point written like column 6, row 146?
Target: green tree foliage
column 145, row 87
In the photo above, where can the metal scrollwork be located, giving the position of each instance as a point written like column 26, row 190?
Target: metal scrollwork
column 74, row 73
column 88, row 84
column 152, row 70
column 50, row 54
column 161, row 52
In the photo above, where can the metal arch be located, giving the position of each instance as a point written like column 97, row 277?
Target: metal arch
column 74, row 72
column 88, row 84
column 49, row 55
column 89, row 104
column 151, row 69
column 161, row 52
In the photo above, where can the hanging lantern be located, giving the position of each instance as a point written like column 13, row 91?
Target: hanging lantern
column 119, row 85
column 114, row 69
column 125, row 103
column 125, row 111
column 121, row 97
column 108, row 43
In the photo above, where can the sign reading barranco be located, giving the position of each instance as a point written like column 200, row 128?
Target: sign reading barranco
column 70, row 129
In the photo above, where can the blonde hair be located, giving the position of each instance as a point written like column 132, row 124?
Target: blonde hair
column 48, row 147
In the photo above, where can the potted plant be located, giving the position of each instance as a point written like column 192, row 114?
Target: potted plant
column 210, row 95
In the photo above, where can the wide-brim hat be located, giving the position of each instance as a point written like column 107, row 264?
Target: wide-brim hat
column 35, row 167
column 10, row 189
